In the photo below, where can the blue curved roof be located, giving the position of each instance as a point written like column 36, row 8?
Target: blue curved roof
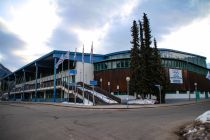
column 160, row 49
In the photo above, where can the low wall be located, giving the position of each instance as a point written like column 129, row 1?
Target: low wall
column 185, row 95
column 177, row 95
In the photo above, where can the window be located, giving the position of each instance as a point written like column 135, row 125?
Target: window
column 114, row 65
column 109, row 65
column 118, row 64
column 105, row 66
column 126, row 63
column 122, row 63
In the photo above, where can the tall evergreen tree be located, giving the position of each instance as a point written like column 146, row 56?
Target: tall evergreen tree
column 134, row 64
column 145, row 66
column 159, row 73
column 141, row 39
column 148, row 54
column 147, row 31
column 141, row 75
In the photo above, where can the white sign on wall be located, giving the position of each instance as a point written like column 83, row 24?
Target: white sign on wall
column 175, row 76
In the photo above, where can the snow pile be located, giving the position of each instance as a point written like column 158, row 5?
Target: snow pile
column 198, row 129
column 192, row 131
column 71, row 103
column 142, row 101
column 195, row 131
column 204, row 118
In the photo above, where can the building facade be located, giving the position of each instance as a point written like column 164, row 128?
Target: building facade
column 114, row 68
column 40, row 80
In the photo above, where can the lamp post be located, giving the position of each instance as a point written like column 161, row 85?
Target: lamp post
column 159, row 87
column 127, row 79
column 109, row 86
column 195, row 84
column 188, row 79
column 101, row 82
column 118, row 88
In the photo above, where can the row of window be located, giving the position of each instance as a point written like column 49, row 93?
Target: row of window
column 183, row 65
column 186, row 57
column 201, row 61
column 118, row 56
column 114, row 64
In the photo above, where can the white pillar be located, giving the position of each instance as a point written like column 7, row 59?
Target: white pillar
column 31, row 95
column 45, row 95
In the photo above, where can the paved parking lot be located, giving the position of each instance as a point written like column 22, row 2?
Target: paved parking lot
column 43, row 122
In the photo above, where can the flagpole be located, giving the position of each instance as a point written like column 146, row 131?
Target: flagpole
column 55, row 77
column 83, row 77
column 62, row 82
column 91, row 54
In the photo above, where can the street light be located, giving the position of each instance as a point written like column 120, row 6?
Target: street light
column 188, row 79
column 118, row 87
column 109, row 86
column 101, row 82
column 195, row 84
column 127, row 79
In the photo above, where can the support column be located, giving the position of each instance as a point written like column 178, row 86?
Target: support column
column 24, row 79
column 36, row 81
column 15, row 86
column 45, row 95
column 31, row 96
column 54, row 94
column 8, row 87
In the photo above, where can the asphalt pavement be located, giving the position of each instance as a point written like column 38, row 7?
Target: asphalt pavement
column 52, row 122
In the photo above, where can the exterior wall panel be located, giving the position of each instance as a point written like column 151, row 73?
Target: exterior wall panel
column 115, row 77
column 118, row 76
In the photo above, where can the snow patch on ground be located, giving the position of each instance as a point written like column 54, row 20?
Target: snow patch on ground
column 71, row 103
column 191, row 131
column 198, row 129
column 204, row 118
column 195, row 131
column 142, row 101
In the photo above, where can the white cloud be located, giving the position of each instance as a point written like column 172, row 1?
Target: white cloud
column 97, row 34
column 33, row 22
column 127, row 8
column 192, row 38
column 94, row 34
column 1, row 57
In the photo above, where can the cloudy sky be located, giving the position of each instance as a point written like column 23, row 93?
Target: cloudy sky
column 32, row 28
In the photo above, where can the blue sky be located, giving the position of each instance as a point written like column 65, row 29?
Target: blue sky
column 32, row 28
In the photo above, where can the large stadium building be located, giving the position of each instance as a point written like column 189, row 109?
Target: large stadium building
column 40, row 80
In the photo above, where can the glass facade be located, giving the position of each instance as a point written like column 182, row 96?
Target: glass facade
column 118, row 56
column 112, row 64
column 197, row 60
column 169, row 58
column 183, row 65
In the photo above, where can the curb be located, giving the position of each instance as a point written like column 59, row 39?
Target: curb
column 108, row 106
